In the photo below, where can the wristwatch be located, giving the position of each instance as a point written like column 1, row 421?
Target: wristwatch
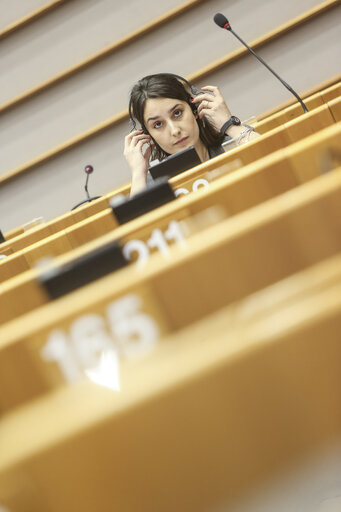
column 233, row 120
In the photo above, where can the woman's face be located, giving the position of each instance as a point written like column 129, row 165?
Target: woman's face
column 171, row 123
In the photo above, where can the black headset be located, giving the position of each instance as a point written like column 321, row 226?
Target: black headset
column 191, row 87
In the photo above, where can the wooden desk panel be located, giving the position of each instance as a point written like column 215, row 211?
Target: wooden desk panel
column 221, row 265
column 263, row 395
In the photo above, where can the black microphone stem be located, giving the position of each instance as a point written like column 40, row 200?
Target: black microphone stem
column 268, row 67
column 86, row 186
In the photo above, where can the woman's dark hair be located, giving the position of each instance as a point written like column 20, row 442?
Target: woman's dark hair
column 165, row 85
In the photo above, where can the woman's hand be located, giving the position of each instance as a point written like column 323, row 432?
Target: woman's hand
column 213, row 105
column 136, row 156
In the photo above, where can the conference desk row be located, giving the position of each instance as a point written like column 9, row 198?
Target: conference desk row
column 278, row 120
column 194, row 179
column 212, row 357
column 228, row 195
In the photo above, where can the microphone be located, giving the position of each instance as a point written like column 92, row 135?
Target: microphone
column 222, row 22
column 88, row 169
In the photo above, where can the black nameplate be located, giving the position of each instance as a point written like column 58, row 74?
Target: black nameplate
column 2, row 238
column 175, row 164
column 158, row 193
column 59, row 281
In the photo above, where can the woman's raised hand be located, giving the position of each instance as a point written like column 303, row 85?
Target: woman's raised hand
column 136, row 156
column 212, row 104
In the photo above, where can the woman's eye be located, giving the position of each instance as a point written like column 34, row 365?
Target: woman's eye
column 177, row 113
column 158, row 124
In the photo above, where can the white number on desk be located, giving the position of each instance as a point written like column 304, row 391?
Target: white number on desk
column 58, row 350
column 89, row 338
column 136, row 332
column 200, row 182
column 131, row 333
column 158, row 240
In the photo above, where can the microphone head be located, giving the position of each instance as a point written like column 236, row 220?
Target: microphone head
column 221, row 20
column 88, row 169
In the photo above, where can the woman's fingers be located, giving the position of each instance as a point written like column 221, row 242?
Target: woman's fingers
column 133, row 148
column 214, row 91
column 204, row 111
column 213, row 96
column 212, row 104
column 145, row 154
column 209, row 107
column 132, row 134
column 212, row 88
column 140, row 138
column 134, row 137
column 135, row 133
column 203, row 97
column 140, row 142
column 148, row 153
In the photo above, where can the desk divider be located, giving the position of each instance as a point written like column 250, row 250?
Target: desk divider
column 331, row 93
column 335, row 109
column 15, row 264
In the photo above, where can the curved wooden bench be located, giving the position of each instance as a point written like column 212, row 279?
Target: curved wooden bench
column 231, row 194
column 86, row 210
column 229, row 162
column 220, row 265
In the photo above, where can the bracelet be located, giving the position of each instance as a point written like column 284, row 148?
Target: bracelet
column 246, row 131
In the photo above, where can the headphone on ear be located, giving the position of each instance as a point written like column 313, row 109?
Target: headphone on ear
column 191, row 87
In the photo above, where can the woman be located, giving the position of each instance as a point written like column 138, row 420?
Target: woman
column 173, row 116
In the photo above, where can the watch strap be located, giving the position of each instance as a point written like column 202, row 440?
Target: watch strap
column 232, row 121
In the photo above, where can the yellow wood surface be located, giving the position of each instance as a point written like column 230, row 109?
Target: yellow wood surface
column 225, row 401
column 218, row 266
